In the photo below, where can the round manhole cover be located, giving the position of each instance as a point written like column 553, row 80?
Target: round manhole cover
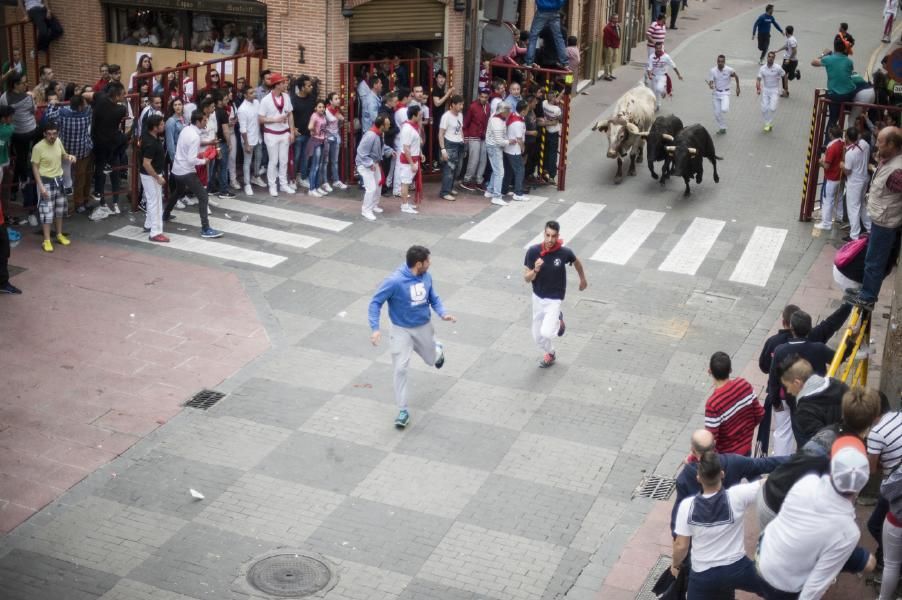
column 289, row 575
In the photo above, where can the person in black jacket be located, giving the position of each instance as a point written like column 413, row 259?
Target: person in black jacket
column 389, row 103
column 818, row 399
column 766, row 361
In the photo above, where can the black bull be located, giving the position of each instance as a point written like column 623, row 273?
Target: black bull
column 690, row 147
column 662, row 134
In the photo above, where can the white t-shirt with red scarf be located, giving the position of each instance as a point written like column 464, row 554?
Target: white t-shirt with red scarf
column 516, row 130
column 410, row 136
column 275, row 106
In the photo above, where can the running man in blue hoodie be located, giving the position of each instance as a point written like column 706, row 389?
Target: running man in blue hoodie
column 409, row 294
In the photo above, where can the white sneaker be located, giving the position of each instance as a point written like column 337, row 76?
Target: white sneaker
column 259, row 182
column 273, row 191
column 212, row 202
column 191, row 200
column 339, row 185
column 368, row 215
column 521, row 198
column 315, row 193
column 180, row 204
column 824, row 226
column 327, row 187
column 235, row 185
column 488, row 195
column 32, row 220
column 115, row 210
column 99, row 213
column 498, row 200
column 287, row 189
column 377, row 209
column 407, row 208
column 304, row 183
column 322, row 189
column 248, row 190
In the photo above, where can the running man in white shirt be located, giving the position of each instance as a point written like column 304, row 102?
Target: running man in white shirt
column 719, row 82
column 790, row 58
column 658, row 64
column 713, row 522
column 855, row 166
column 768, row 86
column 278, row 133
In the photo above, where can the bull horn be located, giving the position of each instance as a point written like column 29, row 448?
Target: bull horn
column 600, row 126
column 667, row 137
column 670, row 149
column 643, row 134
column 693, row 151
column 631, row 127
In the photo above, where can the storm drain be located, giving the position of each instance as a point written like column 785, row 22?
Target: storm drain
column 289, row 575
column 205, row 399
column 655, row 487
column 645, row 592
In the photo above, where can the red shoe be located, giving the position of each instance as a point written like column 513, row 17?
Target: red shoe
column 159, row 238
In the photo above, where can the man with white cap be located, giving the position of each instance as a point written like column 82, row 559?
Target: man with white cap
column 806, row 546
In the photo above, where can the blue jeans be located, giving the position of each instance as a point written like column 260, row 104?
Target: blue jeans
column 880, row 245
column 497, row 161
column 514, row 172
column 833, row 107
column 300, row 156
column 313, row 176
column 451, row 167
column 720, row 583
column 552, row 20
column 551, row 146
column 330, row 171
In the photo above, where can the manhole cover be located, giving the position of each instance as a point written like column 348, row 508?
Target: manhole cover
column 655, row 487
column 289, row 575
column 205, row 399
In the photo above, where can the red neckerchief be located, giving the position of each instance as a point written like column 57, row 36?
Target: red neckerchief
column 514, row 118
column 333, row 109
column 418, row 194
column 376, row 130
column 557, row 246
column 498, row 116
column 280, row 104
column 399, row 106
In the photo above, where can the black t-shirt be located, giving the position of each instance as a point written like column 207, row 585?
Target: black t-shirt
column 152, row 148
column 222, row 118
column 438, row 111
column 551, row 280
column 392, row 133
column 302, row 109
column 107, row 118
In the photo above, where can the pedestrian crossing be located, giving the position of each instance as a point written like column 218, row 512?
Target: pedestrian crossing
column 754, row 267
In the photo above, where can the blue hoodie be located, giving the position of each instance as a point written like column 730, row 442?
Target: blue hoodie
column 549, row 5
column 409, row 297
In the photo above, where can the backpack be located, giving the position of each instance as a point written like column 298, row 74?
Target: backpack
column 850, row 250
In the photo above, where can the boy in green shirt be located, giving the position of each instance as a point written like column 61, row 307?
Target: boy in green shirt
column 47, row 163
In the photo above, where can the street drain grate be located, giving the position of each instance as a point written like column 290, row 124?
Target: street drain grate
column 655, row 487
column 205, row 399
column 289, row 575
column 645, row 592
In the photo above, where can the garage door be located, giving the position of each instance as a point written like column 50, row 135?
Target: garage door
column 397, row 20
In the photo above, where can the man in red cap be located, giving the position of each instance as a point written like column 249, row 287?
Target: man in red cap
column 278, row 133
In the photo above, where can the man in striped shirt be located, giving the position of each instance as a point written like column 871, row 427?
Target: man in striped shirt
column 655, row 33
column 884, row 445
column 733, row 411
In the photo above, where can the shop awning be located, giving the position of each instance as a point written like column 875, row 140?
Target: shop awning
column 234, row 8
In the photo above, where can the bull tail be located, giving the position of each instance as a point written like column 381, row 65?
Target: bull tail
column 718, row 157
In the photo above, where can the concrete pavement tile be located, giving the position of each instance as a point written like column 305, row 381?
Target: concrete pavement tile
column 584, row 422
column 356, row 420
column 486, row 561
column 450, row 440
column 606, row 387
column 379, row 535
column 518, row 372
column 309, row 300
column 322, row 462
column 344, row 275
column 676, row 401
column 271, row 403
column 312, row 368
column 569, row 569
column 493, row 304
column 423, row 589
column 489, row 404
column 598, row 522
column 363, row 582
column 127, row 589
column 32, row 576
column 344, row 337
column 127, row 423
column 12, row 515
column 528, row 509
column 459, row 357
column 398, row 238
column 424, row 387
column 82, row 457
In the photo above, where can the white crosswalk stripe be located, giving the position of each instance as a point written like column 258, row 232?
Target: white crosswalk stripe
column 283, row 214
column 488, row 230
column 629, row 237
column 760, row 256
column 263, row 234
column 692, row 248
column 198, row 245
column 573, row 221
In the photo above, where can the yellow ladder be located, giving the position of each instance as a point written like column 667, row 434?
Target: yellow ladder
column 857, row 334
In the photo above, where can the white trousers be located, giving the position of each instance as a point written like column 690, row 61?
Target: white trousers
column 829, row 205
column 67, row 174
column 769, row 98
column 892, row 560
column 277, row 149
column 858, row 212
column 153, row 198
column 395, row 178
column 784, row 441
column 233, row 158
column 721, row 101
column 546, row 314
column 659, row 87
column 402, row 342
column 371, row 185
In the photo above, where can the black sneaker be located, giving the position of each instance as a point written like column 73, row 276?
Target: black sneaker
column 857, row 300
column 68, row 191
column 563, row 327
column 226, row 195
column 9, row 288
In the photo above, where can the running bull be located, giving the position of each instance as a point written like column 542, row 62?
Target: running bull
column 690, row 147
column 662, row 134
column 633, row 116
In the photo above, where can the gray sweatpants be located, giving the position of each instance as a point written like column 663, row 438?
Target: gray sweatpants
column 402, row 342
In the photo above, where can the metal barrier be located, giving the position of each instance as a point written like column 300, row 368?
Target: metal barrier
column 857, row 334
column 421, row 71
column 819, row 117
column 20, row 28
column 550, row 77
